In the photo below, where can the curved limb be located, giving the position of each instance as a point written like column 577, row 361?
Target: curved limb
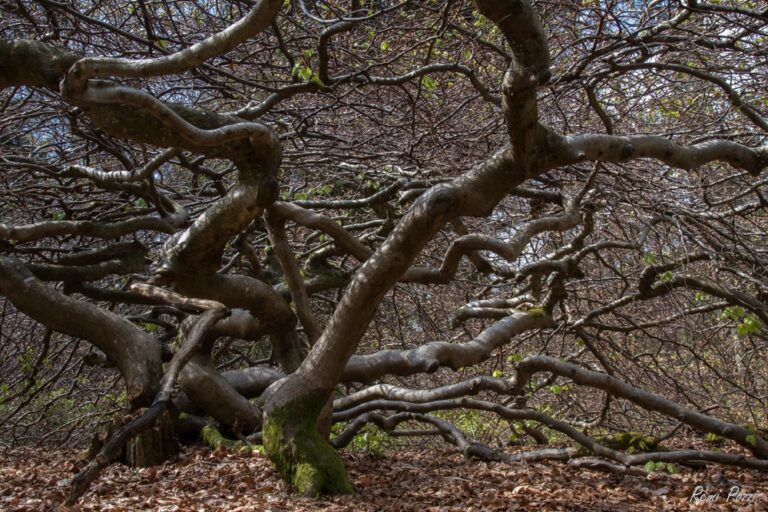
column 135, row 353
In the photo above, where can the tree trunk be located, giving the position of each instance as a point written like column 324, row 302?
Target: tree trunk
column 153, row 446
column 300, row 453
column 148, row 448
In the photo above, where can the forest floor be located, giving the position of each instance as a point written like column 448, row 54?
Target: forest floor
column 402, row 480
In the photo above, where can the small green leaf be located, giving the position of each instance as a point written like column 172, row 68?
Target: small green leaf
column 149, row 327
column 750, row 325
column 733, row 313
column 649, row 258
column 556, row 388
column 751, row 440
column 301, row 72
column 429, row 83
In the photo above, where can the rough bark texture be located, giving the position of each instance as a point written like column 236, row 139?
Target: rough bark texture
column 153, row 446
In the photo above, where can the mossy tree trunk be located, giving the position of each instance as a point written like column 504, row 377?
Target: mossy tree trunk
column 300, row 453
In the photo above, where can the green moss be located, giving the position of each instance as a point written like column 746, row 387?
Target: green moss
column 301, row 455
column 536, row 312
column 215, row 440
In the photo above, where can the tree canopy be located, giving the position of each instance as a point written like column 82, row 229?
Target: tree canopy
column 289, row 221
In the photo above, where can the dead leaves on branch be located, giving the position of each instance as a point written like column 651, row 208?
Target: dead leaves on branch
column 424, row 480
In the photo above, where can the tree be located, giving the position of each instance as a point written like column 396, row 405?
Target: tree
column 315, row 174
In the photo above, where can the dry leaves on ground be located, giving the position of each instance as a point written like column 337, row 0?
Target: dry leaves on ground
column 425, row 480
